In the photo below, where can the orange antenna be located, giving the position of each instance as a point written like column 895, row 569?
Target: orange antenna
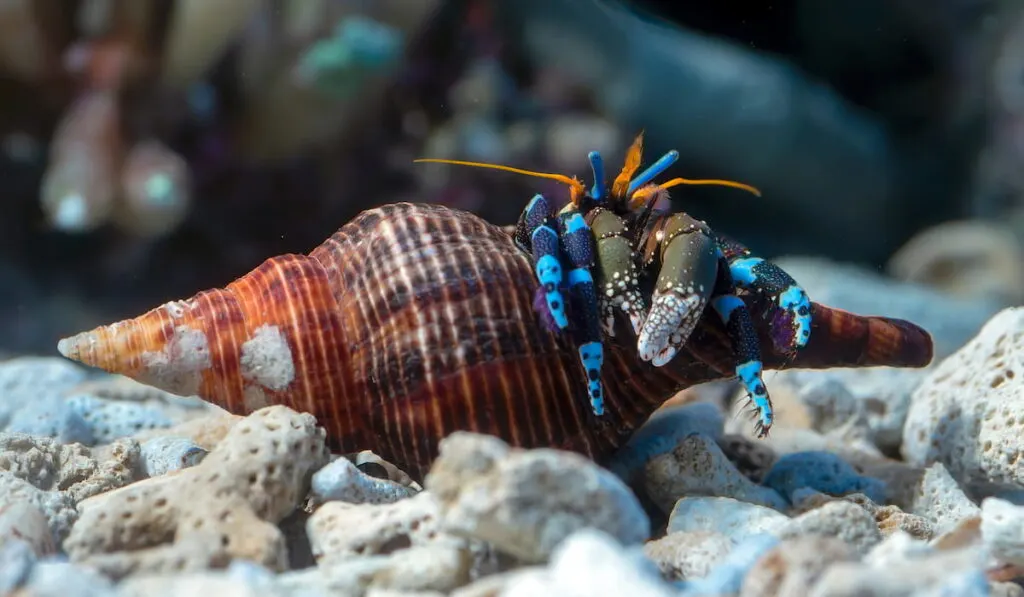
column 576, row 190
column 630, row 165
column 641, row 195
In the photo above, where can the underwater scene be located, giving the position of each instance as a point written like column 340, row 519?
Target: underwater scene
column 511, row 298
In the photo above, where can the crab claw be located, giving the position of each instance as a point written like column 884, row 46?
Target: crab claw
column 669, row 323
column 689, row 266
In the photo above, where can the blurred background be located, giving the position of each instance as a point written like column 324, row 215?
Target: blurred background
column 150, row 149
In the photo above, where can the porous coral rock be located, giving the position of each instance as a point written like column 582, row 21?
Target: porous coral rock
column 794, row 565
column 226, row 507
column 697, row 466
column 342, row 530
column 841, row 519
column 940, row 499
column 685, row 555
column 661, row 433
column 969, row 413
column 55, row 477
column 526, row 502
column 1002, row 530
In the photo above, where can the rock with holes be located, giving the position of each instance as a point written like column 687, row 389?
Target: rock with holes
column 968, row 414
column 1002, row 530
column 526, row 502
column 841, row 519
column 662, row 432
column 685, row 555
column 889, row 519
column 342, row 530
column 726, row 578
column 794, row 565
column 226, row 507
column 940, row 500
column 54, row 477
column 698, row 466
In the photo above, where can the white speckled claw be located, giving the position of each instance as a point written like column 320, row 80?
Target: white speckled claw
column 667, row 326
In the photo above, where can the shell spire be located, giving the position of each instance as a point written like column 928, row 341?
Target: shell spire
column 271, row 337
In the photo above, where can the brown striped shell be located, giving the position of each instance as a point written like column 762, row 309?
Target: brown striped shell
column 413, row 321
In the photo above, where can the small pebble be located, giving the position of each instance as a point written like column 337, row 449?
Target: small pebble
column 341, row 480
column 730, row 517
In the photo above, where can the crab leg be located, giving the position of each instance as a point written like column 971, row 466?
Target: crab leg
column 790, row 328
column 535, row 233
column 746, row 347
column 578, row 243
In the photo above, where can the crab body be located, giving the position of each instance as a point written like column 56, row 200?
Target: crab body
column 609, row 247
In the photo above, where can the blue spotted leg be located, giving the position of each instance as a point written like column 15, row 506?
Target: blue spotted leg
column 580, row 247
column 791, row 324
column 536, row 233
column 746, row 347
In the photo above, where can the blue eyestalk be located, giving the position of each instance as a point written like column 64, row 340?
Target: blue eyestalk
column 597, row 166
column 655, row 169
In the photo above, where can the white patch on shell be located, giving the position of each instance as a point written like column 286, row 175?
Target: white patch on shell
column 179, row 367
column 177, row 309
column 267, row 359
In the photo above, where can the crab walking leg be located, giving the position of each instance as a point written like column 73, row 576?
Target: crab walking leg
column 749, row 368
column 578, row 242
column 536, row 233
column 618, row 278
column 791, row 328
column 686, row 280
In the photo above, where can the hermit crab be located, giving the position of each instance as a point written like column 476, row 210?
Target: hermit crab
column 611, row 245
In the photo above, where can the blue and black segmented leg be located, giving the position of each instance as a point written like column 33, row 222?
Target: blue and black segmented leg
column 791, row 325
column 580, row 247
column 746, row 347
column 536, row 232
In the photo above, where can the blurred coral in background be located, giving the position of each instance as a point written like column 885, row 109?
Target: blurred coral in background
column 151, row 148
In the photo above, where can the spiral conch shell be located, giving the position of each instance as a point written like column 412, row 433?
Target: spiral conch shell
column 414, row 321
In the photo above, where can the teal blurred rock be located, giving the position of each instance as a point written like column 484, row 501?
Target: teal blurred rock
column 824, row 472
column 359, row 46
